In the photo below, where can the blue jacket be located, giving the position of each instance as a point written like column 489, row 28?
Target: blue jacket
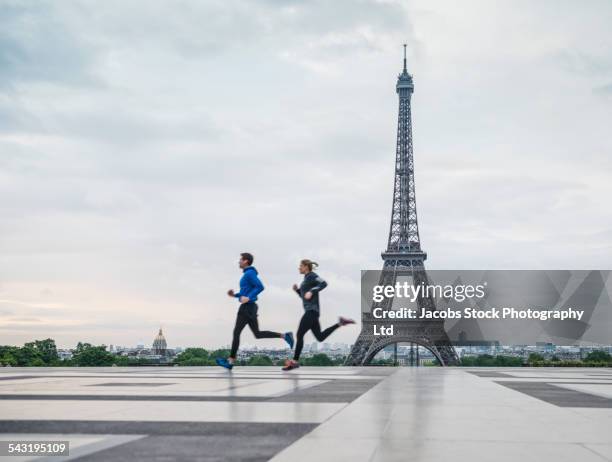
column 250, row 285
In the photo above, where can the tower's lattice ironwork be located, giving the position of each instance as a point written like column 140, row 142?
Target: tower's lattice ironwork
column 403, row 256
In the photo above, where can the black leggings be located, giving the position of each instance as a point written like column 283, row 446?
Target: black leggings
column 310, row 321
column 247, row 314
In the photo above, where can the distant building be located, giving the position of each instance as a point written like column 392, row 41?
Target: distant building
column 160, row 346
column 64, row 354
column 546, row 347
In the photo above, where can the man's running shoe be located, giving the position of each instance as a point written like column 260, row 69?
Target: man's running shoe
column 224, row 363
column 291, row 364
column 289, row 339
column 344, row 321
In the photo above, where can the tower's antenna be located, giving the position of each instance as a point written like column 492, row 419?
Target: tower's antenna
column 405, row 58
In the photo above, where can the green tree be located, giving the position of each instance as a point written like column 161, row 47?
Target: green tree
column 260, row 360
column 195, row 357
column 491, row 361
column 8, row 355
column 119, row 360
column 383, row 362
column 202, row 357
column 46, row 349
column 598, row 356
column 535, row 358
column 508, row 361
column 27, row 355
column 220, row 353
column 485, row 360
column 36, row 353
column 320, row 359
column 87, row 355
column 37, row 362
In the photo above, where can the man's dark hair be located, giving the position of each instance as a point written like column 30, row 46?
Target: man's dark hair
column 248, row 257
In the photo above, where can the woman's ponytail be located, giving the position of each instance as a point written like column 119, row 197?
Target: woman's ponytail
column 309, row 263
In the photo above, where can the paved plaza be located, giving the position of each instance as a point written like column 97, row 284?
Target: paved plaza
column 315, row 414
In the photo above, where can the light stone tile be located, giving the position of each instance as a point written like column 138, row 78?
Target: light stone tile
column 76, row 441
column 604, row 450
column 469, row 451
column 353, row 449
column 414, row 414
column 80, row 444
column 456, row 415
column 603, row 390
column 161, row 411
column 216, row 387
column 347, row 428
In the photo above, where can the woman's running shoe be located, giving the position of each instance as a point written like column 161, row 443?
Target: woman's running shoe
column 291, row 364
column 224, row 363
column 344, row 321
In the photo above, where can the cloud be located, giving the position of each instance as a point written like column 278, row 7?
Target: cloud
column 605, row 90
column 36, row 45
column 144, row 144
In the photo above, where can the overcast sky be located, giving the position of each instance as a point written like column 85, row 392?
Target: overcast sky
column 145, row 144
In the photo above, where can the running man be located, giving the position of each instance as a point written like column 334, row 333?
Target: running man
column 308, row 291
column 250, row 287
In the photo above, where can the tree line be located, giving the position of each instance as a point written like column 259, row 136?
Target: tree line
column 203, row 357
column 596, row 358
column 43, row 353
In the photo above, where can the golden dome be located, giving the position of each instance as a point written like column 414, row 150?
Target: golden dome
column 159, row 344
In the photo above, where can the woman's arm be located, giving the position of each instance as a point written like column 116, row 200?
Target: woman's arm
column 320, row 284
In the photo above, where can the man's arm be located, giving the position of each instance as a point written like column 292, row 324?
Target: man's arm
column 297, row 290
column 257, row 287
column 231, row 293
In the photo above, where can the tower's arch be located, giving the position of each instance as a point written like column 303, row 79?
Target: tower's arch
column 391, row 340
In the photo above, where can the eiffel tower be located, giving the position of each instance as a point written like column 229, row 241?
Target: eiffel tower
column 403, row 257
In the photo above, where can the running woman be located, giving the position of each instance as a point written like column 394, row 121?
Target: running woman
column 308, row 291
column 250, row 287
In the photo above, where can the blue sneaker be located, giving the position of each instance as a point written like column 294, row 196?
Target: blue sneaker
column 289, row 339
column 224, row 363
